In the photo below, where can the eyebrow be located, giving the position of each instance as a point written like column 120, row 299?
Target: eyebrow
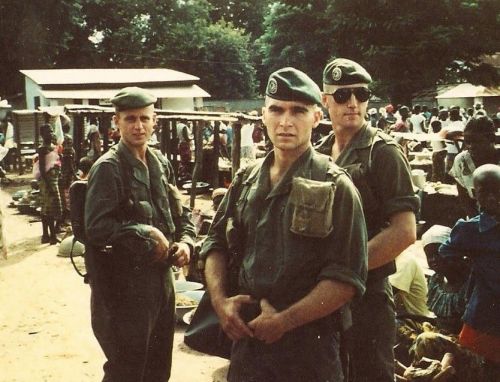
column 275, row 108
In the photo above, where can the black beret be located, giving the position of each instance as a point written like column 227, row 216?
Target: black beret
column 132, row 97
column 342, row 71
column 290, row 84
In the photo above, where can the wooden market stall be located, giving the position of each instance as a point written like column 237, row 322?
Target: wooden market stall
column 27, row 124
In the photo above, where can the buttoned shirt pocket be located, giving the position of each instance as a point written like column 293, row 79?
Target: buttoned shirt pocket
column 312, row 205
column 144, row 211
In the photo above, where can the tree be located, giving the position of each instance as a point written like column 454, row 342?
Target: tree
column 406, row 45
column 38, row 34
column 247, row 15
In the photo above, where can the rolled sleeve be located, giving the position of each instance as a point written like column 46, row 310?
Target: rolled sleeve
column 391, row 178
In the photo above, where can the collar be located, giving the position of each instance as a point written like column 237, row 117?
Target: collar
column 487, row 222
column 296, row 169
column 363, row 138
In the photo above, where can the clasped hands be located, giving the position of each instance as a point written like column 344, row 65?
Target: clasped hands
column 268, row 327
column 177, row 254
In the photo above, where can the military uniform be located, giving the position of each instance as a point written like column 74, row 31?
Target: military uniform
column 133, row 298
column 283, row 267
column 381, row 173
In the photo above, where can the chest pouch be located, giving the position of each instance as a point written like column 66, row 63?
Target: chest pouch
column 312, row 207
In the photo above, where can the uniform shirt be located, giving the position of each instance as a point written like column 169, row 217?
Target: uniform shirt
column 382, row 175
column 152, row 205
column 479, row 239
column 283, row 266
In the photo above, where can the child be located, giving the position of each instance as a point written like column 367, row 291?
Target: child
column 479, row 239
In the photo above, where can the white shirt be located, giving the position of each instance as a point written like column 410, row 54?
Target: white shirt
column 246, row 135
column 418, row 121
column 410, row 280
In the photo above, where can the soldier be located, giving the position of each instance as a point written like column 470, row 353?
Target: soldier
column 297, row 228
column 133, row 207
column 382, row 175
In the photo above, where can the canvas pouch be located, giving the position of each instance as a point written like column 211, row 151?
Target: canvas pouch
column 312, row 207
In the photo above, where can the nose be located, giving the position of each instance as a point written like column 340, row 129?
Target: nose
column 138, row 124
column 286, row 119
column 352, row 101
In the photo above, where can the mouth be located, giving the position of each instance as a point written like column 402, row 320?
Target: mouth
column 286, row 135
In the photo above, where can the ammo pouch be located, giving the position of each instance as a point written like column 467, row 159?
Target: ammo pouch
column 312, row 207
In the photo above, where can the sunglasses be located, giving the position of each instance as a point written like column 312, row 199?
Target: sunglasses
column 343, row 95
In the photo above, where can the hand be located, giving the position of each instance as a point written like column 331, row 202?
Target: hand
column 182, row 254
column 269, row 326
column 160, row 252
column 230, row 319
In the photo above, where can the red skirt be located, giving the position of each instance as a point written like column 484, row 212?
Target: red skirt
column 485, row 345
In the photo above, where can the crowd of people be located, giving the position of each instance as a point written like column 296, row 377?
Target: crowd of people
column 320, row 232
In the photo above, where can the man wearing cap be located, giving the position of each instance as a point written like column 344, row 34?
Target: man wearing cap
column 382, row 175
column 295, row 222
column 136, row 228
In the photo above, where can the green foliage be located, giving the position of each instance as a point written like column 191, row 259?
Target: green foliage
column 38, row 34
column 406, row 45
column 244, row 14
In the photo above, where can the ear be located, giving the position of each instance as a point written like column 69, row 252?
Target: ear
column 318, row 116
column 263, row 117
column 324, row 100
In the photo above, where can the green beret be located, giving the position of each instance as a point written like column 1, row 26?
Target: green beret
column 132, row 97
column 342, row 71
column 290, row 84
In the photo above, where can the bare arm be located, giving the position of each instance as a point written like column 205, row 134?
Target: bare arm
column 324, row 299
column 389, row 243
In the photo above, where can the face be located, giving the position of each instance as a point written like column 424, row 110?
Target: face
column 289, row 124
column 487, row 193
column 347, row 115
column 480, row 146
column 136, row 125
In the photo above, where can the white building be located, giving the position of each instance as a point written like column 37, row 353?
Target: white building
column 56, row 87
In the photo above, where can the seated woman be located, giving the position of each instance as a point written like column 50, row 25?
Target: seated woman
column 479, row 144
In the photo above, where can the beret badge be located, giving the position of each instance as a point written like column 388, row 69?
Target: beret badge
column 272, row 87
column 336, row 73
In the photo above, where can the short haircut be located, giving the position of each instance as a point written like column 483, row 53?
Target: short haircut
column 481, row 125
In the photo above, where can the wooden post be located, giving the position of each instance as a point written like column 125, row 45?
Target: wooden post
column 236, row 149
column 78, row 132
column 198, row 159
column 172, row 126
column 17, row 139
column 215, row 164
column 105, row 125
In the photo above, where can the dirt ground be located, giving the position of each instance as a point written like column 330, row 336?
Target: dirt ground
column 45, row 332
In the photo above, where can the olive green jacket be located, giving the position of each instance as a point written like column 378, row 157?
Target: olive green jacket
column 382, row 175
column 120, row 215
column 281, row 265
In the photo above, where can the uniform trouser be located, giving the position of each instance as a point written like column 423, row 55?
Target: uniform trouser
column 134, row 325
column 372, row 337
column 305, row 354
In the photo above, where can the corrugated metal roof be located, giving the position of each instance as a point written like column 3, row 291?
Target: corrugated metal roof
column 470, row 91
column 164, row 92
column 105, row 76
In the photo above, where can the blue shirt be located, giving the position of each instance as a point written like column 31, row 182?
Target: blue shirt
column 479, row 239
